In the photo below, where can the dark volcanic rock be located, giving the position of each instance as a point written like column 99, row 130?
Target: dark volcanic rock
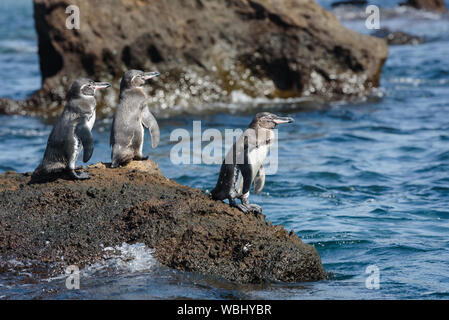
column 205, row 49
column 8, row 106
column 431, row 5
column 49, row 226
column 349, row 3
column 398, row 37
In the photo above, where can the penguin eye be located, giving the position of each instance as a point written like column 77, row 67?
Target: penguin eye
column 88, row 89
column 137, row 80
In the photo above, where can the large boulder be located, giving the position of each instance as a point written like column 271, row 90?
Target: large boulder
column 205, row 50
column 430, row 5
column 46, row 227
column 354, row 3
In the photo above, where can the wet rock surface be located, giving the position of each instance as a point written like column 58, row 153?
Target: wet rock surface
column 398, row 37
column 205, row 50
column 46, row 227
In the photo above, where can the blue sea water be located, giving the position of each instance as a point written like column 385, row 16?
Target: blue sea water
column 366, row 183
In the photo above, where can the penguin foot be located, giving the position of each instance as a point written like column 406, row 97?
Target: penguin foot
column 242, row 208
column 140, row 158
column 79, row 176
column 254, row 208
column 247, row 208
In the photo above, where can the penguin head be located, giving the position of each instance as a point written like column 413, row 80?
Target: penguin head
column 85, row 88
column 269, row 120
column 136, row 78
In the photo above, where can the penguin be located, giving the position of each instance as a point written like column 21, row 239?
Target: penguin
column 71, row 133
column 130, row 118
column 243, row 164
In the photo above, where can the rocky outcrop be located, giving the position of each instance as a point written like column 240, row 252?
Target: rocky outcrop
column 431, row 5
column 204, row 49
column 398, row 37
column 45, row 227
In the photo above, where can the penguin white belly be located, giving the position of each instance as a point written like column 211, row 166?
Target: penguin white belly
column 91, row 121
column 141, row 138
column 239, row 183
column 256, row 158
column 76, row 151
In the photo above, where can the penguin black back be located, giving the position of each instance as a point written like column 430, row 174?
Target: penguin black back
column 71, row 132
column 243, row 164
column 130, row 118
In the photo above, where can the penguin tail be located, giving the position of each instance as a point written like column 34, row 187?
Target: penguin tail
column 217, row 194
column 38, row 173
column 121, row 156
column 44, row 174
column 39, row 177
column 116, row 163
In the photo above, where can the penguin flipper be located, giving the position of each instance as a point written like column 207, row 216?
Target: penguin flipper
column 149, row 121
column 84, row 134
column 259, row 180
column 247, row 173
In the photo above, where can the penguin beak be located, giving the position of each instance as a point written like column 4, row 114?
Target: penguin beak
column 280, row 120
column 102, row 85
column 150, row 75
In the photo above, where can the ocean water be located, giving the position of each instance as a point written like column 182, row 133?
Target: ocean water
column 366, row 183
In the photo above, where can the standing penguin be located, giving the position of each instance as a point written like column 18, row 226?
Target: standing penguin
column 130, row 118
column 243, row 164
column 72, row 132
